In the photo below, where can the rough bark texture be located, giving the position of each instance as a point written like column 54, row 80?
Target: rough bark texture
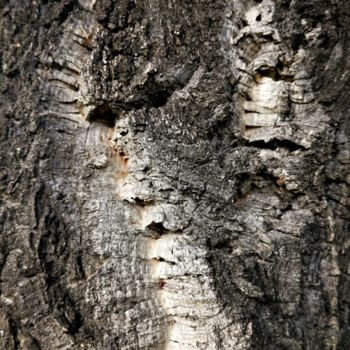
column 175, row 174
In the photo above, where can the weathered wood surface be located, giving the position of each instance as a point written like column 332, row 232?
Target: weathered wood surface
column 175, row 174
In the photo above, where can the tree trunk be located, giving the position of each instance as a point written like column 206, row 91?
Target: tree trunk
column 175, row 174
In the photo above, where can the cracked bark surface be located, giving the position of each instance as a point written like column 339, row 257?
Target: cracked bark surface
column 175, row 174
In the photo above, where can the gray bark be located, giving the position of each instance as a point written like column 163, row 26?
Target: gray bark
column 175, row 174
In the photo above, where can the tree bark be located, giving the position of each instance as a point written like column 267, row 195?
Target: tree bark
column 175, row 174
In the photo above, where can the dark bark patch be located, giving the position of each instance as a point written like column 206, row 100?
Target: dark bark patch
column 13, row 326
column 157, row 227
column 275, row 144
column 104, row 115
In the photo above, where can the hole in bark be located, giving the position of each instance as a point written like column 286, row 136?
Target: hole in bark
column 274, row 144
column 286, row 4
column 12, row 73
column 327, row 103
column 244, row 23
column 271, row 73
column 157, row 227
column 104, row 115
column 158, row 98
column 222, row 244
column 158, row 258
column 123, row 132
column 143, row 202
column 297, row 40
column 325, row 41
column 258, row 18
column 268, row 37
